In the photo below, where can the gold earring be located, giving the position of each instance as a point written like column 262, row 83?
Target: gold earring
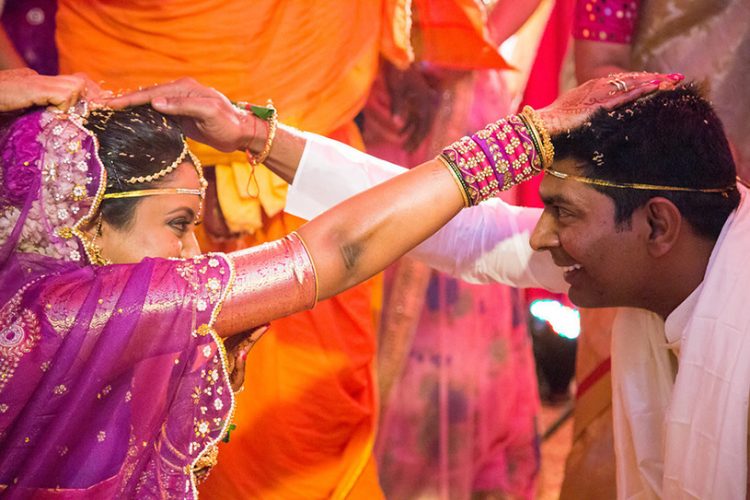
column 93, row 250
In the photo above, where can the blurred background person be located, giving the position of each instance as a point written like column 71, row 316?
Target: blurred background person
column 27, row 35
column 307, row 431
column 456, row 370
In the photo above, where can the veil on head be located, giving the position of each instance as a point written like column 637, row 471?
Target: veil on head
column 52, row 183
column 118, row 394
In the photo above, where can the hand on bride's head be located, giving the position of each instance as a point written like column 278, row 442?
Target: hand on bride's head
column 204, row 114
column 24, row 88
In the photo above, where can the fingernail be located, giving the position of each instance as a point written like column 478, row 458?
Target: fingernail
column 159, row 101
column 655, row 81
column 677, row 77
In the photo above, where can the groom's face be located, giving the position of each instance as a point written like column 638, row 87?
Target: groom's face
column 601, row 260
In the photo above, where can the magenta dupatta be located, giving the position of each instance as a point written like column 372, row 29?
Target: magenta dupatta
column 112, row 381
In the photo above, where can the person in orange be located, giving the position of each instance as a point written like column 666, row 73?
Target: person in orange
column 316, row 61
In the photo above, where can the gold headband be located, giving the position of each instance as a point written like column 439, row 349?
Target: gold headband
column 154, row 192
column 161, row 191
column 639, row 186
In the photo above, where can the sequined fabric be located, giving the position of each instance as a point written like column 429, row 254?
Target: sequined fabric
column 605, row 20
column 112, row 382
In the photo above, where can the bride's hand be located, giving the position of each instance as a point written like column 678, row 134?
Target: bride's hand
column 205, row 114
column 572, row 108
column 23, row 88
column 237, row 347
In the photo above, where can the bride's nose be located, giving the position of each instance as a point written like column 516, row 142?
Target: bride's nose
column 190, row 247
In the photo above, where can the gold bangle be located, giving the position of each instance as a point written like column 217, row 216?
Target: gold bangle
column 548, row 149
column 273, row 121
column 536, row 140
column 456, row 178
column 312, row 265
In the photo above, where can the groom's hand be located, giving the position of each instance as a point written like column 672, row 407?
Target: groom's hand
column 204, row 114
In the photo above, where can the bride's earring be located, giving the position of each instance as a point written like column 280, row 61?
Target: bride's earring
column 93, row 250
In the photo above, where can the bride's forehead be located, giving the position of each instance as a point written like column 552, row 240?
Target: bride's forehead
column 184, row 176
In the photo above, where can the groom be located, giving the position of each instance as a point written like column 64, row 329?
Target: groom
column 642, row 212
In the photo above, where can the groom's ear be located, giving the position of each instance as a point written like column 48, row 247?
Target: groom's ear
column 665, row 222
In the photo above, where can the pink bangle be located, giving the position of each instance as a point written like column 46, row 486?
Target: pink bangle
column 495, row 158
column 272, row 280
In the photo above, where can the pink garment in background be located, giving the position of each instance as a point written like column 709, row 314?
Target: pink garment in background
column 605, row 21
column 460, row 417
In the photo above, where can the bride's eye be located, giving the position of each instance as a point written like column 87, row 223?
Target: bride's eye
column 180, row 224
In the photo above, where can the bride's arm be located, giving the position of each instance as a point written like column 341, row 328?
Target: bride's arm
column 339, row 249
column 357, row 238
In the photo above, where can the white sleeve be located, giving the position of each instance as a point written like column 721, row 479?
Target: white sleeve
column 486, row 243
column 490, row 243
column 330, row 172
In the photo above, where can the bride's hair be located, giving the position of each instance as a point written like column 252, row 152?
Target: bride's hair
column 134, row 142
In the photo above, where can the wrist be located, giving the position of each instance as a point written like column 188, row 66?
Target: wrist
column 252, row 132
column 551, row 121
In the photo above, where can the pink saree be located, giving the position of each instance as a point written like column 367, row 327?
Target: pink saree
column 112, row 380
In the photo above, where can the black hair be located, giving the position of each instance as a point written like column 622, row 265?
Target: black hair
column 133, row 142
column 671, row 138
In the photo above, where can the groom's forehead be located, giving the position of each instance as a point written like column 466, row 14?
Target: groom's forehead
column 554, row 190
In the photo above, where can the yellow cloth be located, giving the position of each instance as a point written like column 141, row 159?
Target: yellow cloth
column 307, row 419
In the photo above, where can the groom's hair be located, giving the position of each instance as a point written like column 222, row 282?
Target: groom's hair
column 670, row 138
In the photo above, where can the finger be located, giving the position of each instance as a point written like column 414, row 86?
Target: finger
column 60, row 92
column 145, row 96
column 77, row 86
column 193, row 107
column 92, row 91
column 661, row 82
column 17, row 73
column 645, row 83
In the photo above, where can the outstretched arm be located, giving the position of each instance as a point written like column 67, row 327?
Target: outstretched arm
column 208, row 116
column 363, row 234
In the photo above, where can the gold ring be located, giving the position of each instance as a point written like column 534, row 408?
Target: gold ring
column 620, row 86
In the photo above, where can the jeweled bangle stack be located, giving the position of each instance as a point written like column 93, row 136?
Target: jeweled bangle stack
column 498, row 157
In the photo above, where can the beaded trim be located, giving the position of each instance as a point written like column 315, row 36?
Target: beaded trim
column 539, row 134
column 165, row 171
column 161, row 191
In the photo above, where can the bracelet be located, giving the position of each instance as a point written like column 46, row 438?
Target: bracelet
column 270, row 116
column 536, row 126
column 456, row 174
column 495, row 158
column 536, row 162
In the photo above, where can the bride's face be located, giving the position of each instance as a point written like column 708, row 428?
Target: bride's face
column 161, row 226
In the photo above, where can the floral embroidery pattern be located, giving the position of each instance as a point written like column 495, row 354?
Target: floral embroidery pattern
column 19, row 333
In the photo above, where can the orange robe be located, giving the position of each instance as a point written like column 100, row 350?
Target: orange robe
column 306, row 421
